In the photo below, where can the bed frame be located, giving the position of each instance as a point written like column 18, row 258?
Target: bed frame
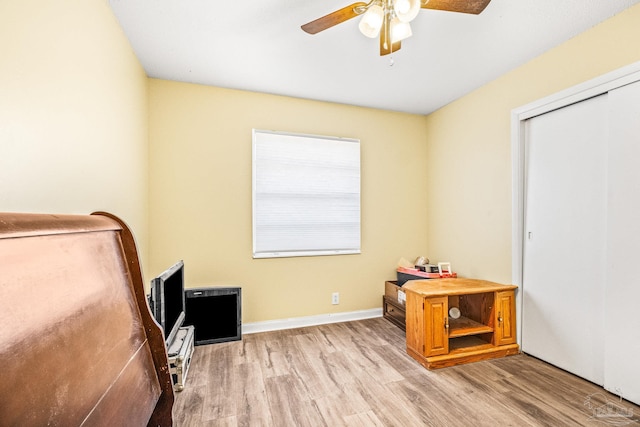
column 78, row 344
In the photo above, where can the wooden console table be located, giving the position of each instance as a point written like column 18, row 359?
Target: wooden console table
column 485, row 327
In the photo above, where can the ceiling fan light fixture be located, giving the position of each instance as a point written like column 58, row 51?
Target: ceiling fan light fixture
column 399, row 30
column 371, row 21
column 406, row 10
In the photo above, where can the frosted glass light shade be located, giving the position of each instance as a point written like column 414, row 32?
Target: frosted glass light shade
column 399, row 30
column 371, row 21
column 406, row 10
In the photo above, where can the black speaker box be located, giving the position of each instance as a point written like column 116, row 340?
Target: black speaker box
column 215, row 313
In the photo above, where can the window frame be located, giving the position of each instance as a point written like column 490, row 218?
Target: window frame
column 347, row 193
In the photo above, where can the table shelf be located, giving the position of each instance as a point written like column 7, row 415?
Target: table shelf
column 464, row 326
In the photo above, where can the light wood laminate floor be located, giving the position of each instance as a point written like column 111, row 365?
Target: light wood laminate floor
column 358, row 374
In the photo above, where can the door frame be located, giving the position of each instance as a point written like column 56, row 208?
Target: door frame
column 597, row 86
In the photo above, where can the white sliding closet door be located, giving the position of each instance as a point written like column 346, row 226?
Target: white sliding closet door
column 565, row 237
column 622, row 334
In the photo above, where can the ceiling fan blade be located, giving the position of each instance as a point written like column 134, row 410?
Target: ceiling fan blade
column 386, row 47
column 334, row 18
column 462, row 6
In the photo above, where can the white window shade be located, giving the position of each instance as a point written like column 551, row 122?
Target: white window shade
column 306, row 195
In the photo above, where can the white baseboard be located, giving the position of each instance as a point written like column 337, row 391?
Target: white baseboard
column 301, row 322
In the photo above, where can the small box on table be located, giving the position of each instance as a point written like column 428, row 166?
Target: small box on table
column 405, row 274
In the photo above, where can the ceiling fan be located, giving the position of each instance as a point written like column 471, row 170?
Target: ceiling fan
column 390, row 18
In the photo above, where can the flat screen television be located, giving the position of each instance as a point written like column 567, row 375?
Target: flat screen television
column 167, row 300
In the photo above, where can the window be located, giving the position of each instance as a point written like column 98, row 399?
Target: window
column 306, row 195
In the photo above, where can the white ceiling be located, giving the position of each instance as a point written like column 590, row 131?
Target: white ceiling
column 259, row 46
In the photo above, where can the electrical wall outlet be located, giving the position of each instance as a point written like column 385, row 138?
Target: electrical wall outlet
column 335, row 298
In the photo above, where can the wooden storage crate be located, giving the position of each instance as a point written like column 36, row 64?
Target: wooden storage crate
column 393, row 304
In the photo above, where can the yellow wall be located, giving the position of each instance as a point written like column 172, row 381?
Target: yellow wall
column 73, row 139
column 200, row 198
column 469, row 146
column 73, row 113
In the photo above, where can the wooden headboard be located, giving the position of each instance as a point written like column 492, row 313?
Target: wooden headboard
column 78, row 344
